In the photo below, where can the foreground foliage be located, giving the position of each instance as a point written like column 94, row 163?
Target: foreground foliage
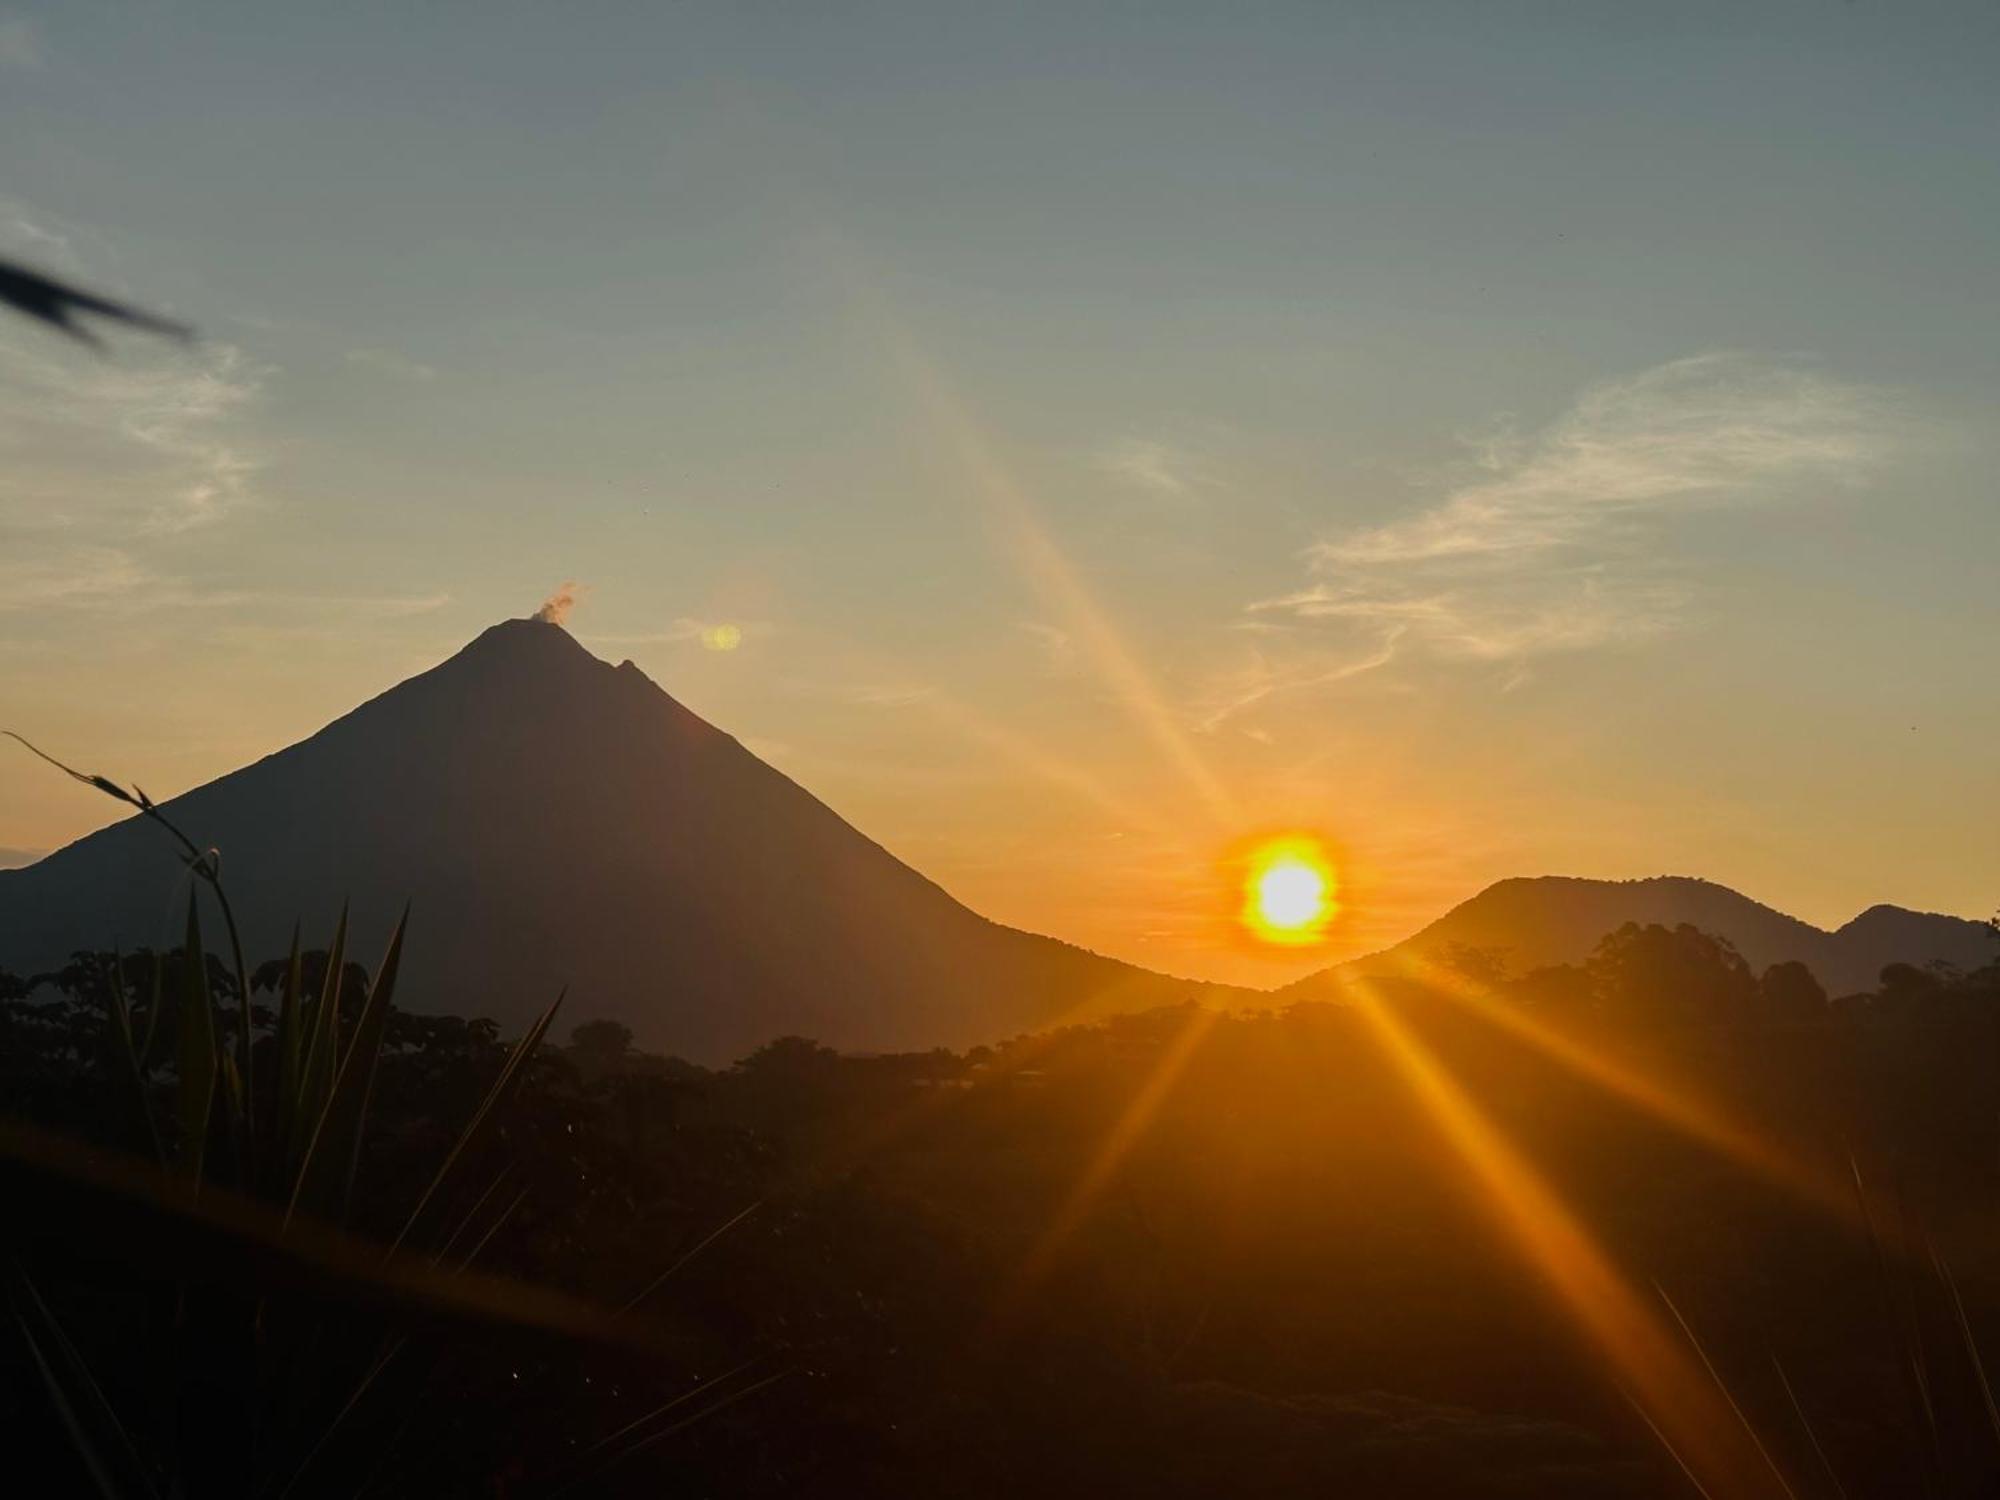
column 1286, row 1284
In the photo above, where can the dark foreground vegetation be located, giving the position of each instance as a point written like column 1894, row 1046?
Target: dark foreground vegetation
column 1173, row 1254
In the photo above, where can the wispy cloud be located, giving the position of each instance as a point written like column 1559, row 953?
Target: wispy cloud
column 395, row 365
column 1715, row 429
column 69, row 575
column 101, row 458
column 1263, row 675
column 1557, row 541
column 149, row 443
column 110, row 581
column 1156, row 468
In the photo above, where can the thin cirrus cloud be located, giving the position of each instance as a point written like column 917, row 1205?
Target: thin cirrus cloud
column 392, row 363
column 1152, row 467
column 147, row 444
column 105, row 459
column 1557, row 542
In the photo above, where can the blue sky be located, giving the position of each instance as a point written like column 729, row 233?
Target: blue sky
column 1504, row 438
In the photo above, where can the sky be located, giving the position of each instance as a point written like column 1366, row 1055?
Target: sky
column 1496, row 438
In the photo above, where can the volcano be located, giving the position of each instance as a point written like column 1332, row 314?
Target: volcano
column 555, row 823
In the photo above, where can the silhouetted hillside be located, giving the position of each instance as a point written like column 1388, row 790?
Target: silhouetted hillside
column 558, row 821
column 1552, row 919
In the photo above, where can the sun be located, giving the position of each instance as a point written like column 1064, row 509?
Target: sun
column 1289, row 891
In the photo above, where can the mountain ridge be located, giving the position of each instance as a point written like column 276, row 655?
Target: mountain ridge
column 1548, row 919
column 558, row 821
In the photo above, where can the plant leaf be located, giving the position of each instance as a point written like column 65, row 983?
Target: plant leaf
column 127, row 1047
column 197, row 1050
column 103, row 783
column 291, row 1051
column 153, row 1003
column 474, row 1134
column 327, row 1173
column 316, row 1075
column 101, row 1440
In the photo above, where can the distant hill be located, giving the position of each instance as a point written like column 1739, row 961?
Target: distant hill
column 557, row 821
column 1551, row 919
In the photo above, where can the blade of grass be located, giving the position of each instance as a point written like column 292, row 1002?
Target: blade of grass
column 100, row 1439
column 326, row 1175
column 703, row 1415
column 1924, row 1419
column 340, row 1417
column 671, row 1404
column 471, row 1214
column 152, row 1014
column 1727, row 1394
column 702, row 1244
column 197, row 1061
column 316, row 1076
column 1825, row 1464
column 474, row 1134
column 135, row 1072
column 291, row 1052
column 1950, row 1283
column 492, row 1229
column 1672, row 1452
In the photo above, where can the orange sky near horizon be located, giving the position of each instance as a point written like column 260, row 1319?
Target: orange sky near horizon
column 1067, row 448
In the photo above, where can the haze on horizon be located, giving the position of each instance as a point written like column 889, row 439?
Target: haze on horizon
column 1501, row 440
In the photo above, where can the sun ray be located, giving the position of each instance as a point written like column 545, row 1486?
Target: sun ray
column 1128, row 1130
column 1680, row 1109
column 1047, row 568
column 1057, row 772
column 1694, row 1423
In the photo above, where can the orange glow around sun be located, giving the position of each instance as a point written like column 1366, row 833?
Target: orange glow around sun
column 1290, row 891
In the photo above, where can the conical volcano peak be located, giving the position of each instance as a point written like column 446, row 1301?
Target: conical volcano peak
column 524, row 657
column 528, row 636
column 561, row 823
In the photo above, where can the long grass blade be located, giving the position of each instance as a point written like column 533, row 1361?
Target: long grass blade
column 354, row 1397
column 744, row 1394
column 100, row 1439
column 127, row 1047
column 326, row 1175
column 474, row 1134
column 316, row 1073
column 643, row 1443
column 91, row 1207
column 1672, row 1452
column 671, row 1404
column 291, row 1050
column 1971, row 1344
column 471, row 1214
column 1727, row 1394
column 1825, row 1463
column 1924, row 1417
column 153, row 1006
column 196, row 1051
column 491, row 1229
column 702, row 1244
